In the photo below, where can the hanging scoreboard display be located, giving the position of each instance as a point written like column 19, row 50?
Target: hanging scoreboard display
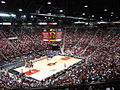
column 52, row 35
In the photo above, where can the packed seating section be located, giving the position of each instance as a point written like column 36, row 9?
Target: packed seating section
column 99, row 48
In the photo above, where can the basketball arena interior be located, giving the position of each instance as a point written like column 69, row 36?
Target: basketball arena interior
column 59, row 44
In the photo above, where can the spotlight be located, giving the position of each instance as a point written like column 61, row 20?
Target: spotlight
column 3, row 2
column 111, row 15
column 83, row 14
column 20, row 10
column 49, row 3
column 86, row 6
column 112, row 12
column 93, row 16
column 105, row 10
column 101, row 17
column 61, row 10
column 31, row 16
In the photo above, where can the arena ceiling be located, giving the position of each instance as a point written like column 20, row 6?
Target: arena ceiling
column 98, row 9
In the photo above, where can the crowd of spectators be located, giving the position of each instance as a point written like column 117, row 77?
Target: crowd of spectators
column 22, row 42
column 99, row 48
column 10, row 81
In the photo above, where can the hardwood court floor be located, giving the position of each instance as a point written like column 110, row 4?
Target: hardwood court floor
column 47, row 67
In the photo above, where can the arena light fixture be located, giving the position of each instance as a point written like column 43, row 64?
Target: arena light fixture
column 80, row 18
column 93, row 15
column 31, row 16
column 3, row 2
column 49, row 3
column 101, row 17
column 29, row 23
column 48, row 17
column 79, row 22
column 42, row 23
column 117, row 22
column 1, row 23
column 83, row 14
column 86, row 23
column 111, row 15
column 13, row 15
column 112, row 12
column 24, row 16
column 105, row 10
column 102, row 22
column 4, row 15
column 61, row 10
column 6, row 23
column 86, row 6
column 20, row 10
column 54, row 23
column 7, row 15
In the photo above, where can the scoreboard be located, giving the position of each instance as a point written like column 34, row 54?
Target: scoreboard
column 52, row 34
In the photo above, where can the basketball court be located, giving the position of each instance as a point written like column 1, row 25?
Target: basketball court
column 45, row 68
